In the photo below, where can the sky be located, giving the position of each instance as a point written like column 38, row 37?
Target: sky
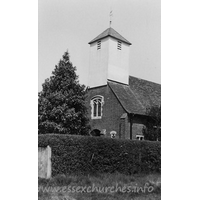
column 71, row 24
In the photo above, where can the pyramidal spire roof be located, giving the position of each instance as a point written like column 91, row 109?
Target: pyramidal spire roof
column 112, row 33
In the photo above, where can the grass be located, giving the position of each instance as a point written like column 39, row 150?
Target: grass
column 100, row 187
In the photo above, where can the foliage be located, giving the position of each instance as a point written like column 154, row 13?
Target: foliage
column 61, row 103
column 91, row 155
column 152, row 131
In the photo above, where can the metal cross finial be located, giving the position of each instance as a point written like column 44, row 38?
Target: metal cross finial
column 111, row 14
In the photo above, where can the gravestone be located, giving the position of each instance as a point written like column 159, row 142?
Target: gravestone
column 44, row 162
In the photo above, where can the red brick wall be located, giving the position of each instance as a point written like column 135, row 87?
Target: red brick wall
column 112, row 110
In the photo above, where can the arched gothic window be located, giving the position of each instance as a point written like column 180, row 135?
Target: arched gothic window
column 96, row 105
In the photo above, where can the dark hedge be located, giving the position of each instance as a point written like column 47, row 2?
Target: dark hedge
column 91, row 155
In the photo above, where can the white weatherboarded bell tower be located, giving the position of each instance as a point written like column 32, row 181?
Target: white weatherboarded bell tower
column 109, row 59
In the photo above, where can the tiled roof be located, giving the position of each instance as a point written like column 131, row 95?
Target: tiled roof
column 112, row 33
column 138, row 95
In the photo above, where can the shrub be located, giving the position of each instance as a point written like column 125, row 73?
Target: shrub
column 92, row 155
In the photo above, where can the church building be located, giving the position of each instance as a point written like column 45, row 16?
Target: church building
column 116, row 101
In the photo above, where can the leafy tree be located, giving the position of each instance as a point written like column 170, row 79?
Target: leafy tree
column 61, row 103
column 152, row 131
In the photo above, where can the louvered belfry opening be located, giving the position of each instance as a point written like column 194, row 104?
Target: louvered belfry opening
column 99, row 45
column 119, row 45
